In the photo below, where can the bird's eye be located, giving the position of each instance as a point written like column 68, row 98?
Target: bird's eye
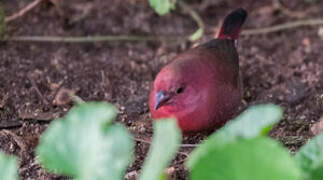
column 179, row 90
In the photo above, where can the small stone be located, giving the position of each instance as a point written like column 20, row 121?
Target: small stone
column 297, row 91
column 63, row 97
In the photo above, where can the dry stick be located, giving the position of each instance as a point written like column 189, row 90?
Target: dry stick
column 34, row 85
column 104, row 86
column 82, row 39
column 189, row 145
column 141, row 140
column 276, row 28
column 295, row 14
column 23, row 11
column 4, row 100
column 10, row 124
column 181, row 145
column 195, row 16
column 280, row 27
column 178, row 152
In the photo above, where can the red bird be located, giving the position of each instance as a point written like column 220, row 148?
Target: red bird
column 201, row 87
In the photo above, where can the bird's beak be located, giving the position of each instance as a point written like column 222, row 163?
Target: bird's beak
column 161, row 98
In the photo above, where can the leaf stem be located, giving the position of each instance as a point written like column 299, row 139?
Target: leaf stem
column 156, row 38
column 23, row 11
column 196, row 17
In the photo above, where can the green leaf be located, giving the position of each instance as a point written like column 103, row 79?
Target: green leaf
column 310, row 158
column 162, row 7
column 166, row 140
column 2, row 21
column 320, row 32
column 260, row 158
column 8, row 167
column 86, row 145
column 196, row 35
column 255, row 121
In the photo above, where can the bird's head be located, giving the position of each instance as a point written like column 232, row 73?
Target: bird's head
column 169, row 88
column 174, row 90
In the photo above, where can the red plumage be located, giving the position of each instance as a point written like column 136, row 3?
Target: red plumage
column 201, row 87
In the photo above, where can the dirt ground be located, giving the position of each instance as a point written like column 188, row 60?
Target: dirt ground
column 284, row 67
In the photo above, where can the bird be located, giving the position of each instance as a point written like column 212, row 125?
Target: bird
column 201, row 87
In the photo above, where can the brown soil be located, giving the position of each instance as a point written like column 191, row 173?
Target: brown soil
column 282, row 67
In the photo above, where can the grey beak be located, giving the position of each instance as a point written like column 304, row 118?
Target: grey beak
column 159, row 99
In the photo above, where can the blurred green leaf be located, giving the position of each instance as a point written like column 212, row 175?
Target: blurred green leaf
column 196, row 35
column 310, row 158
column 162, row 7
column 255, row 121
column 260, row 158
column 163, row 176
column 166, row 140
column 8, row 167
column 86, row 145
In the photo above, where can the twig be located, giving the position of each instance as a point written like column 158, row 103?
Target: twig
column 23, row 11
column 56, row 91
column 196, row 17
column 189, row 145
column 178, row 152
column 34, row 85
column 10, row 124
column 141, row 140
column 4, row 100
column 89, row 39
column 105, row 85
column 295, row 14
column 82, row 39
column 285, row 26
column 38, row 116
column 181, row 145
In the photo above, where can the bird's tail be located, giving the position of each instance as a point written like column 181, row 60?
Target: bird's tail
column 232, row 24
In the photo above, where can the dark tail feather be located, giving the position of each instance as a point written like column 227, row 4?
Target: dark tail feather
column 231, row 26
